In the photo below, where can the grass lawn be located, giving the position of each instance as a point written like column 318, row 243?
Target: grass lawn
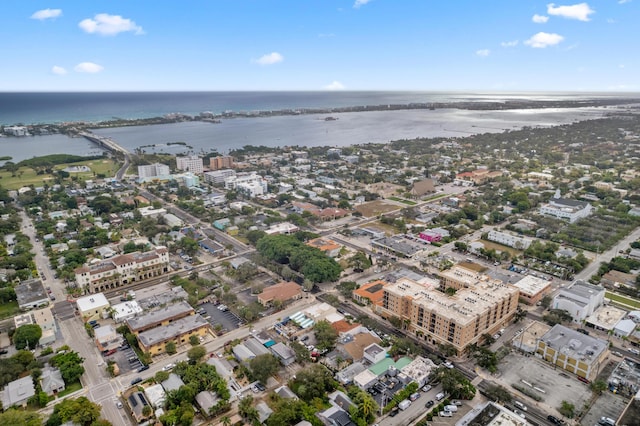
column 622, row 299
column 403, row 201
column 8, row 309
column 488, row 245
column 69, row 389
column 26, row 176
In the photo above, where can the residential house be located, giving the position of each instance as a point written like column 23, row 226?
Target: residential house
column 283, row 292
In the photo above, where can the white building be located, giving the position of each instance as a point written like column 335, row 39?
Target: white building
column 566, row 209
column 252, row 189
column 122, row 270
column 509, row 240
column 126, row 310
column 92, row 306
column 232, row 182
column 192, row 164
column 149, row 211
column 581, row 299
column 16, row 130
column 153, row 171
column 217, row 177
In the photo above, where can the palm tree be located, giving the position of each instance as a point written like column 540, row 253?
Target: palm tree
column 226, row 420
column 367, row 407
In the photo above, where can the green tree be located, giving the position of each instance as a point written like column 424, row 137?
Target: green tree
column 79, row 410
column 193, row 340
column 326, row 336
column 70, row 365
column 567, row 409
column 27, row 336
column 359, row 262
column 263, row 366
column 20, row 417
column 170, row 348
column 161, row 376
column 546, row 301
column 196, row 353
column 598, row 386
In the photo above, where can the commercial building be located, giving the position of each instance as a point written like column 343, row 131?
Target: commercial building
column 191, row 163
column 151, row 171
column 532, row 289
column 126, row 310
column 251, row 184
column 283, row 292
column 93, row 306
column 481, row 306
column 327, row 246
column 179, row 331
column 370, row 293
column 566, row 209
column 31, row 294
column 581, row 299
column 218, row 177
column 509, row 240
column 221, row 162
column 122, row 270
column 160, row 317
column 491, row 414
column 574, row 352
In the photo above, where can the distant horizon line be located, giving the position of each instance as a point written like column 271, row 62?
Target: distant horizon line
column 328, row 91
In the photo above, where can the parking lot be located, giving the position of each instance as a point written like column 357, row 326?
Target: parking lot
column 126, row 359
column 556, row 385
column 227, row 319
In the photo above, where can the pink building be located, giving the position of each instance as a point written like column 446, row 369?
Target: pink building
column 430, row 236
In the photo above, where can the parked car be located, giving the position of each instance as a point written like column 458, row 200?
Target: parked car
column 445, row 414
column 119, row 404
column 427, row 388
column 555, row 420
column 414, row 396
column 136, row 381
column 429, row 404
column 260, row 387
column 168, row 367
column 144, row 367
column 394, row 412
column 456, row 402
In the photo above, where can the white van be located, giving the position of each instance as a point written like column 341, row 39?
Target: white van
column 520, row 405
column 451, row 408
column 404, row 404
column 440, row 396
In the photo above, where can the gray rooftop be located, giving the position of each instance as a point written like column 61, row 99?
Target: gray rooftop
column 282, row 351
column 156, row 317
column 573, row 344
column 18, row 391
column 255, row 346
column 171, row 330
column 583, row 289
column 30, row 291
column 172, row 383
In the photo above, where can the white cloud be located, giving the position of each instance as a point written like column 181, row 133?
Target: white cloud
column 88, row 67
column 109, row 25
column 269, row 59
column 624, row 1
column 580, row 11
column 621, row 66
column 511, row 43
column 539, row 19
column 542, row 40
column 47, row 14
column 359, row 3
column 58, row 70
column 483, row 53
column 334, row 85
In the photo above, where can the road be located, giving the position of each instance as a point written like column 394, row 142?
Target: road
column 605, row 257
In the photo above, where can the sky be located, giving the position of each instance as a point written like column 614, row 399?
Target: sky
column 229, row 45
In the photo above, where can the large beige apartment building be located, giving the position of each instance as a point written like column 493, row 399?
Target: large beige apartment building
column 480, row 305
column 121, row 270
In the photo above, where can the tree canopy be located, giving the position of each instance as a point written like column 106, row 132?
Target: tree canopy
column 27, row 336
column 263, row 366
column 310, row 261
column 326, row 335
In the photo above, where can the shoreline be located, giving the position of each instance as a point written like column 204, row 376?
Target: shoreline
column 74, row 128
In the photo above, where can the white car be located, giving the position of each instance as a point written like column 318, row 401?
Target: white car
column 168, row 367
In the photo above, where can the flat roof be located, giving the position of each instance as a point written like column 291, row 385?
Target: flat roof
column 573, row 344
column 162, row 314
column 171, row 330
column 531, row 285
column 464, row 306
column 606, row 317
column 93, row 301
column 583, row 289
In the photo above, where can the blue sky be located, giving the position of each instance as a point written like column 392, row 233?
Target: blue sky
column 497, row 45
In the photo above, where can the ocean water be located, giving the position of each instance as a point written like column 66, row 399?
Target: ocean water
column 302, row 130
column 32, row 108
